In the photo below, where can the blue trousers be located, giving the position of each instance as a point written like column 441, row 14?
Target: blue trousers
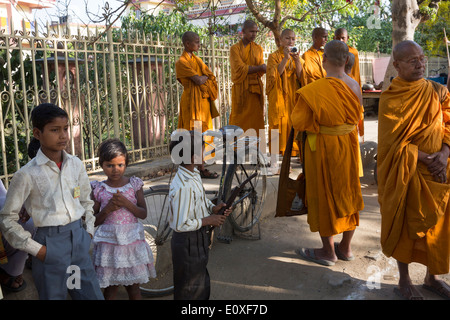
column 68, row 267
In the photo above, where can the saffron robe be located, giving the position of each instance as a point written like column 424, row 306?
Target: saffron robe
column 282, row 94
column 329, row 111
column 355, row 74
column 195, row 102
column 247, row 93
column 415, row 215
column 312, row 67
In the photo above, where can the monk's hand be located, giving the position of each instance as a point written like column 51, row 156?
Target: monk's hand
column 286, row 52
column 262, row 68
column 437, row 164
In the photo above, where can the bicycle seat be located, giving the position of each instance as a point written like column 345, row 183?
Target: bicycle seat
column 231, row 131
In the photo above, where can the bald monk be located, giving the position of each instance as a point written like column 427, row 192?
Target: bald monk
column 199, row 89
column 284, row 70
column 312, row 67
column 413, row 171
column 342, row 35
column 329, row 110
column 247, row 93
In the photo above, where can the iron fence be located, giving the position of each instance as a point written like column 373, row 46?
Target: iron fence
column 111, row 85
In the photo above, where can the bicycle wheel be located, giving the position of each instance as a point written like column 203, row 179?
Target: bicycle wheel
column 158, row 235
column 249, row 203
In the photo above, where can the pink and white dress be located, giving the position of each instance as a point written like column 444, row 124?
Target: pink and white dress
column 121, row 255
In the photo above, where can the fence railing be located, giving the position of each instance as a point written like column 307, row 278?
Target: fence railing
column 110, row 86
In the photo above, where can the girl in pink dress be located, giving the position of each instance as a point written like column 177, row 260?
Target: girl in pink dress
column 121, row 255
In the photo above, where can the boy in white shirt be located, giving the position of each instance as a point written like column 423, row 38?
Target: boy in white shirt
column 55, row 190
column 192, row 213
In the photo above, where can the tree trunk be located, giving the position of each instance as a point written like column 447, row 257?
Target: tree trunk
column 405, row 19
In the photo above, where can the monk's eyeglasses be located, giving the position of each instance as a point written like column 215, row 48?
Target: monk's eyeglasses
column 413, row 62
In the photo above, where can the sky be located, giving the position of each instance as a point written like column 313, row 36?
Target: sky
column 76, row 9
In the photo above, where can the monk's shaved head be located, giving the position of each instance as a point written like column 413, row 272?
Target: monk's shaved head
column 317, row 32
column 189, row 36
column 336, row 52
column 350, row 63
column 409, row 60
column 287, row 31
column 340, row 32
column 249, row 24
column 403, row 49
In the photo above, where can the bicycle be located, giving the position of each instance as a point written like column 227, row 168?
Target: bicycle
column 247, row 208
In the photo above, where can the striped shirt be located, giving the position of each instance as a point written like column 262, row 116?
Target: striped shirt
column 188, row 201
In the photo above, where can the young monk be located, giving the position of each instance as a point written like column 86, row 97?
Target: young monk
column 342, row 35
column 199, row 89
column 312, row 67
column 284, row 70
column 413, row 171
column 247, row 93
column 329, row 110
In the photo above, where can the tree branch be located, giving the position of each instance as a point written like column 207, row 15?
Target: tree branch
column 258, row 14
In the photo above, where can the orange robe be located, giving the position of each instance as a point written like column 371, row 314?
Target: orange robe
column 329, row 111
column 312, row 67
column 415, row 215
column 247, row 93
column 355, row 74
column 282, row 94
column 195, row 103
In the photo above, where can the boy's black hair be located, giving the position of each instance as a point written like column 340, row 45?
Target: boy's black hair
column 194, row 138
column 111, row 148
column 33, row 147
column 45, row 113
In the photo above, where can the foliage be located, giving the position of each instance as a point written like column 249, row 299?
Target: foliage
column 19, row 99
column 430, row 34
column 173, row 24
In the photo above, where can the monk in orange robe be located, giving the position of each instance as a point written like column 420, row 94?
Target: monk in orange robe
column 329, row 110
column 247, row 94
column 284, row 70
column 413, row 171
column 342, row 35
column 312, row 67
column 199, row 89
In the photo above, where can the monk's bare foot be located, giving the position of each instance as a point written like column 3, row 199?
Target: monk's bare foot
column 315, row 255
column 343, row 253
column 439, row 287
column 408, row 291
column 325, row 255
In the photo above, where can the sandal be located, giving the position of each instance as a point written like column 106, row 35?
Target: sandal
column 8, row 284
column 206, row 174
column 309, row 254
column 441, row 291
column 408, row 293
column 340, row 255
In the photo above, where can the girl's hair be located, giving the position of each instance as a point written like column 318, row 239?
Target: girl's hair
column 45, row 113
column 110, row 149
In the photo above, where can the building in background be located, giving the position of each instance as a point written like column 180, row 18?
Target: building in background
column 227, row 12
column 19, row 12
column 200, row 13
column 152, row 7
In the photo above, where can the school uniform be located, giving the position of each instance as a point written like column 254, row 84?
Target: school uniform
column 190, row 241
column 57, row 199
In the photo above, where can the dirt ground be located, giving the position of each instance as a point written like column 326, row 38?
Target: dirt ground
column 269, row 268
